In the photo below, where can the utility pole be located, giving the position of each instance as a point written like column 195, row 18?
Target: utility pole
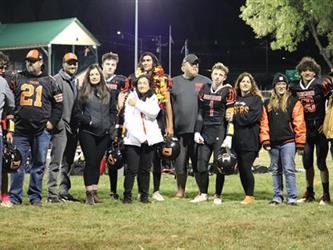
column 170, row 50
column 136, row 35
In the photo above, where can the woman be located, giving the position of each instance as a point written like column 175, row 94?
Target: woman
column 246, row 120
column 143, row 133
column 282, row 131
column 149, row 65
column 210, row 129
column 98, row 115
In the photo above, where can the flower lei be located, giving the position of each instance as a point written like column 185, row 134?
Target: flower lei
column 160, row 83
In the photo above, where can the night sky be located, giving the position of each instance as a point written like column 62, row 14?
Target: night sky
column 213, row 29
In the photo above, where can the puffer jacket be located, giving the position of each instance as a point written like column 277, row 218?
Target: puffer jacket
column 98, row 118
column 140, row 121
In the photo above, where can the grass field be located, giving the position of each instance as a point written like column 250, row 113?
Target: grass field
column 172, row 224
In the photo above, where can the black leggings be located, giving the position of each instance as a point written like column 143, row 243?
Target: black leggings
column 93, row 148
column 139, row 160
column 245, row 161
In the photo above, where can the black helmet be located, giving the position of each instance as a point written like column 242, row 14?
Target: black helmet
column 115, row 157
column 226, row 161
column 169, row 149
column 11, row 158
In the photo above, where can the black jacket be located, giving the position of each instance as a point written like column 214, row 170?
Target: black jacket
column 246, row 121
column 96, row 117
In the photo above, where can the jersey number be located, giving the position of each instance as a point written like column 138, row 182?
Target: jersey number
column 31, row 95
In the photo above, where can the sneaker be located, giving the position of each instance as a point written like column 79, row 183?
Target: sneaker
column 127, row 200
column 67, row 198
column 308, row 197
column 145, row 201
column 200, row 198
column 157, row 196
column 37, row 204
column 248, row 200
column 293, row 203
column 273, row 203
column 53, row 200
column 6, row 204
column 217, row 200
column 114, row 196
column 325, row 199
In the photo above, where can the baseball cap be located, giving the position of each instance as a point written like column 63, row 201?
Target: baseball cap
column 34, row 55
column 70, row 57
column 191, row 58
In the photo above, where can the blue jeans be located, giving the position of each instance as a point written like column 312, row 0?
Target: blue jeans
column 39, row 146
column 283, row 160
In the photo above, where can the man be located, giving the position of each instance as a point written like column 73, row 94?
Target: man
column 312, row 92
column 65, row 138
column 7, row 103
column 115, row 84
column 38, row 109
column 184, row 97
column 210, row 130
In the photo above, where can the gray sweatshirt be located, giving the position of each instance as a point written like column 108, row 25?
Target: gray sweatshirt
column 7, row 101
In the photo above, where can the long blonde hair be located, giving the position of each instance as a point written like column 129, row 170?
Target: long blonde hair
column 279, row 102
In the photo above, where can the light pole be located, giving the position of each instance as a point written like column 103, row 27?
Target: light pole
column 136, row 35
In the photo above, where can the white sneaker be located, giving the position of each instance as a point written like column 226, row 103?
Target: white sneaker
column 217, row 200
column 157, row 196
column 200, row 198
column 6, row 204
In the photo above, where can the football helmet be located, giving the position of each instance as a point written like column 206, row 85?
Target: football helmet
column 115, row 157
column 169, row 149
column 226, row 161
column 11, row 158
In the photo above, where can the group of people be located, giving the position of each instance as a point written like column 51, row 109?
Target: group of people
column 138, row 112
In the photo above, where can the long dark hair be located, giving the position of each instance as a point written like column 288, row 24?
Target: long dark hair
column 254, row 88
column 88, row 90
column 153, row 57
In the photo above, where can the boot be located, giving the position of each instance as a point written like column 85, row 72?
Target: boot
column 90, row 198
column 96, row 197
column 248, row 200
column 181, row 184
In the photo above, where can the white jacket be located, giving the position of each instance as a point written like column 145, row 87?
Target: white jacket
column 140, row 121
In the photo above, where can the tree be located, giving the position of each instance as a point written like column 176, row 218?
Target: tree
column 290, row 22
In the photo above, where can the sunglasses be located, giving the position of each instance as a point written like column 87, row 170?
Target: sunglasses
column 31, row 61
column 72, row 62
column 3, row 67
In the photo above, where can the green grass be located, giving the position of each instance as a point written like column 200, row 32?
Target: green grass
column 173, row 224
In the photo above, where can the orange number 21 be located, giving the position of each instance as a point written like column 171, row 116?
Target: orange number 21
column 31, row 95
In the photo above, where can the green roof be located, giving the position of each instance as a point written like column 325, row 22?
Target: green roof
column 34, row 34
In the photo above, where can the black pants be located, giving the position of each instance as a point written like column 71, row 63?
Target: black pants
column 93, row 148
column 139, row 160
column 67, row 161
column 313, row 138
column 187, row 151
column 245, row 161
column 201, row 172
